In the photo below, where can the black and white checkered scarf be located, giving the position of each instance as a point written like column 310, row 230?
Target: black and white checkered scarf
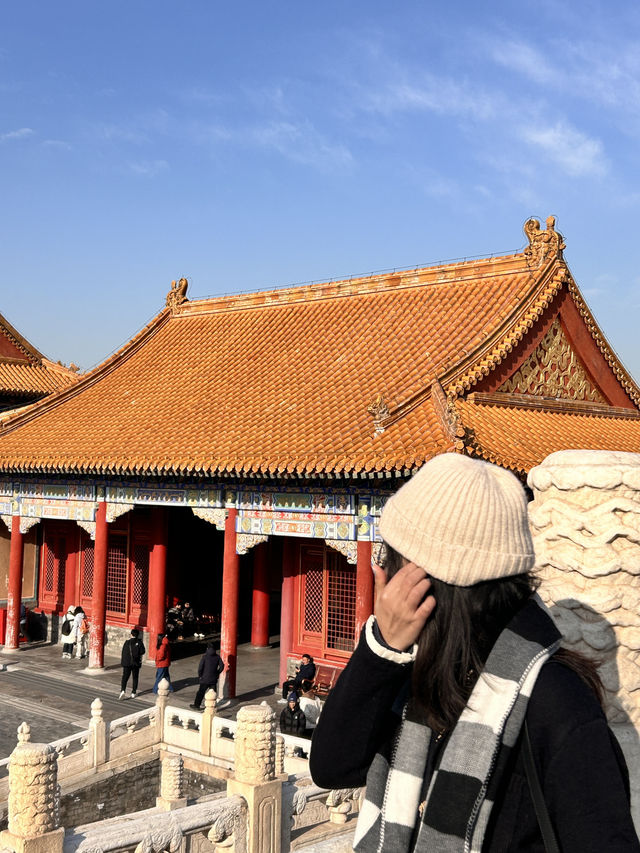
column 462, row 789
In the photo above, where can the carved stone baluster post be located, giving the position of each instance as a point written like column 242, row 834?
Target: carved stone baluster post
column 161, row 705
column 34, row 798
column 280, row 756
column 172, row 784
column 255, row 777
column 206, row 723
column 98, row 746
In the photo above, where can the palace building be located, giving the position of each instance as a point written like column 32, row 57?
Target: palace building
column 236, row 453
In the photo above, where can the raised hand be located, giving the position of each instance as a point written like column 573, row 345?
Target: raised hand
column 402, row 605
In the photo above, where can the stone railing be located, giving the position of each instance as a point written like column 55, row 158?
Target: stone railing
column 264, row 809
column 221, row 822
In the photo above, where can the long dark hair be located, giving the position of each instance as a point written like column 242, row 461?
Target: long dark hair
column 458, row 636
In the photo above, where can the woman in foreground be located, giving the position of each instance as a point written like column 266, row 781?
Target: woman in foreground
column 431, row 709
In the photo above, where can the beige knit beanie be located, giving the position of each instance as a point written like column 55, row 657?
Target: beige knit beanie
column 462, row 520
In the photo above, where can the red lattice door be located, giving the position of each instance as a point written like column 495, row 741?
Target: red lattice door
column 117, row 565
column 139, row 583
column 311, row 599
column 326, row 603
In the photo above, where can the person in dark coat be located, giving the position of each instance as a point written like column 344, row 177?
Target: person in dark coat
column 303, row 679
column 131, row 660
column 458, row 672
column 209, row 669
column 163, row 662
column 292, row 719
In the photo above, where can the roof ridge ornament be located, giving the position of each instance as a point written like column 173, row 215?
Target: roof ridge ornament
column 178, row 294
column 543, row 245
column 379, row 412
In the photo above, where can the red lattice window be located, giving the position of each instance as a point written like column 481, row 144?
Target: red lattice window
column 326, row 602
column 313, row 598
column 88, row 558
column 62, row 565
column 117, row 575
column 341, row 607
column 49, row 570
column 140, row 574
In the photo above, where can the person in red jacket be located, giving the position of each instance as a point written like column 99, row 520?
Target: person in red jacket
column 163, row 661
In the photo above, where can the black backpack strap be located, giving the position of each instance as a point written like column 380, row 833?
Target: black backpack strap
column 544, row 821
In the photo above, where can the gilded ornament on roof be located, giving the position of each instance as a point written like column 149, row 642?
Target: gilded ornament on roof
column 178, row 293
column 379, row 411
column 543, row 245
column 553, row 370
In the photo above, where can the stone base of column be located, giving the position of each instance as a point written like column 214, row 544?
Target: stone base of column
column 170, row 805
column 50, row 842
column 9, row 650
column 94, row 670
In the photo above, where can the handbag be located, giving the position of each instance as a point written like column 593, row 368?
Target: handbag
column 544, row 821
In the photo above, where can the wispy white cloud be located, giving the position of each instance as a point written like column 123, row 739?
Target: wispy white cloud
column 302, row 143
column 139, row 130
column 147, row 168
column 20, row 133
column 522, row 57
column 57, row 143
column 433, row 94
column 572, row 150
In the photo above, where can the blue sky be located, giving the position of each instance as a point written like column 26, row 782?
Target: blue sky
column 252, row 144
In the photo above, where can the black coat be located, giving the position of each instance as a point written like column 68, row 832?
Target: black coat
column 580, row 765
column 132, row 652
column 210, row 667
column 293, row 722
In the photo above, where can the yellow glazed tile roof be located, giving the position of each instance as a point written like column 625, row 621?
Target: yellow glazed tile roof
column 275, row 382
column 519, row 437
column 345, row 378
column 23, row 370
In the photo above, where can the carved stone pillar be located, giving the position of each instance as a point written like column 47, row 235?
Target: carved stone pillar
column 585, row 521
column 98, row 741
column 34, row 798
column 279, row 755
column 255, row 780
column 172, row 784
column 206, row 723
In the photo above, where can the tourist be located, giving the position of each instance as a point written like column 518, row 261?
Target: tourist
column 131, row 660
column 303, row 679
column 292, row 719
column 66, row 633
column 311, row 705
column 80, row 632
column 175, row 624
column 458, row 673
column 163, row 661
column 209, row 669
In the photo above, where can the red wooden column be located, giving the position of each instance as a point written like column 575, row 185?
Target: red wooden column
column 286, row 610
column 14, row 590
column 230, row 586
column 99, row 597
column 157, row 577
column 260, row 603
column 364, row 586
